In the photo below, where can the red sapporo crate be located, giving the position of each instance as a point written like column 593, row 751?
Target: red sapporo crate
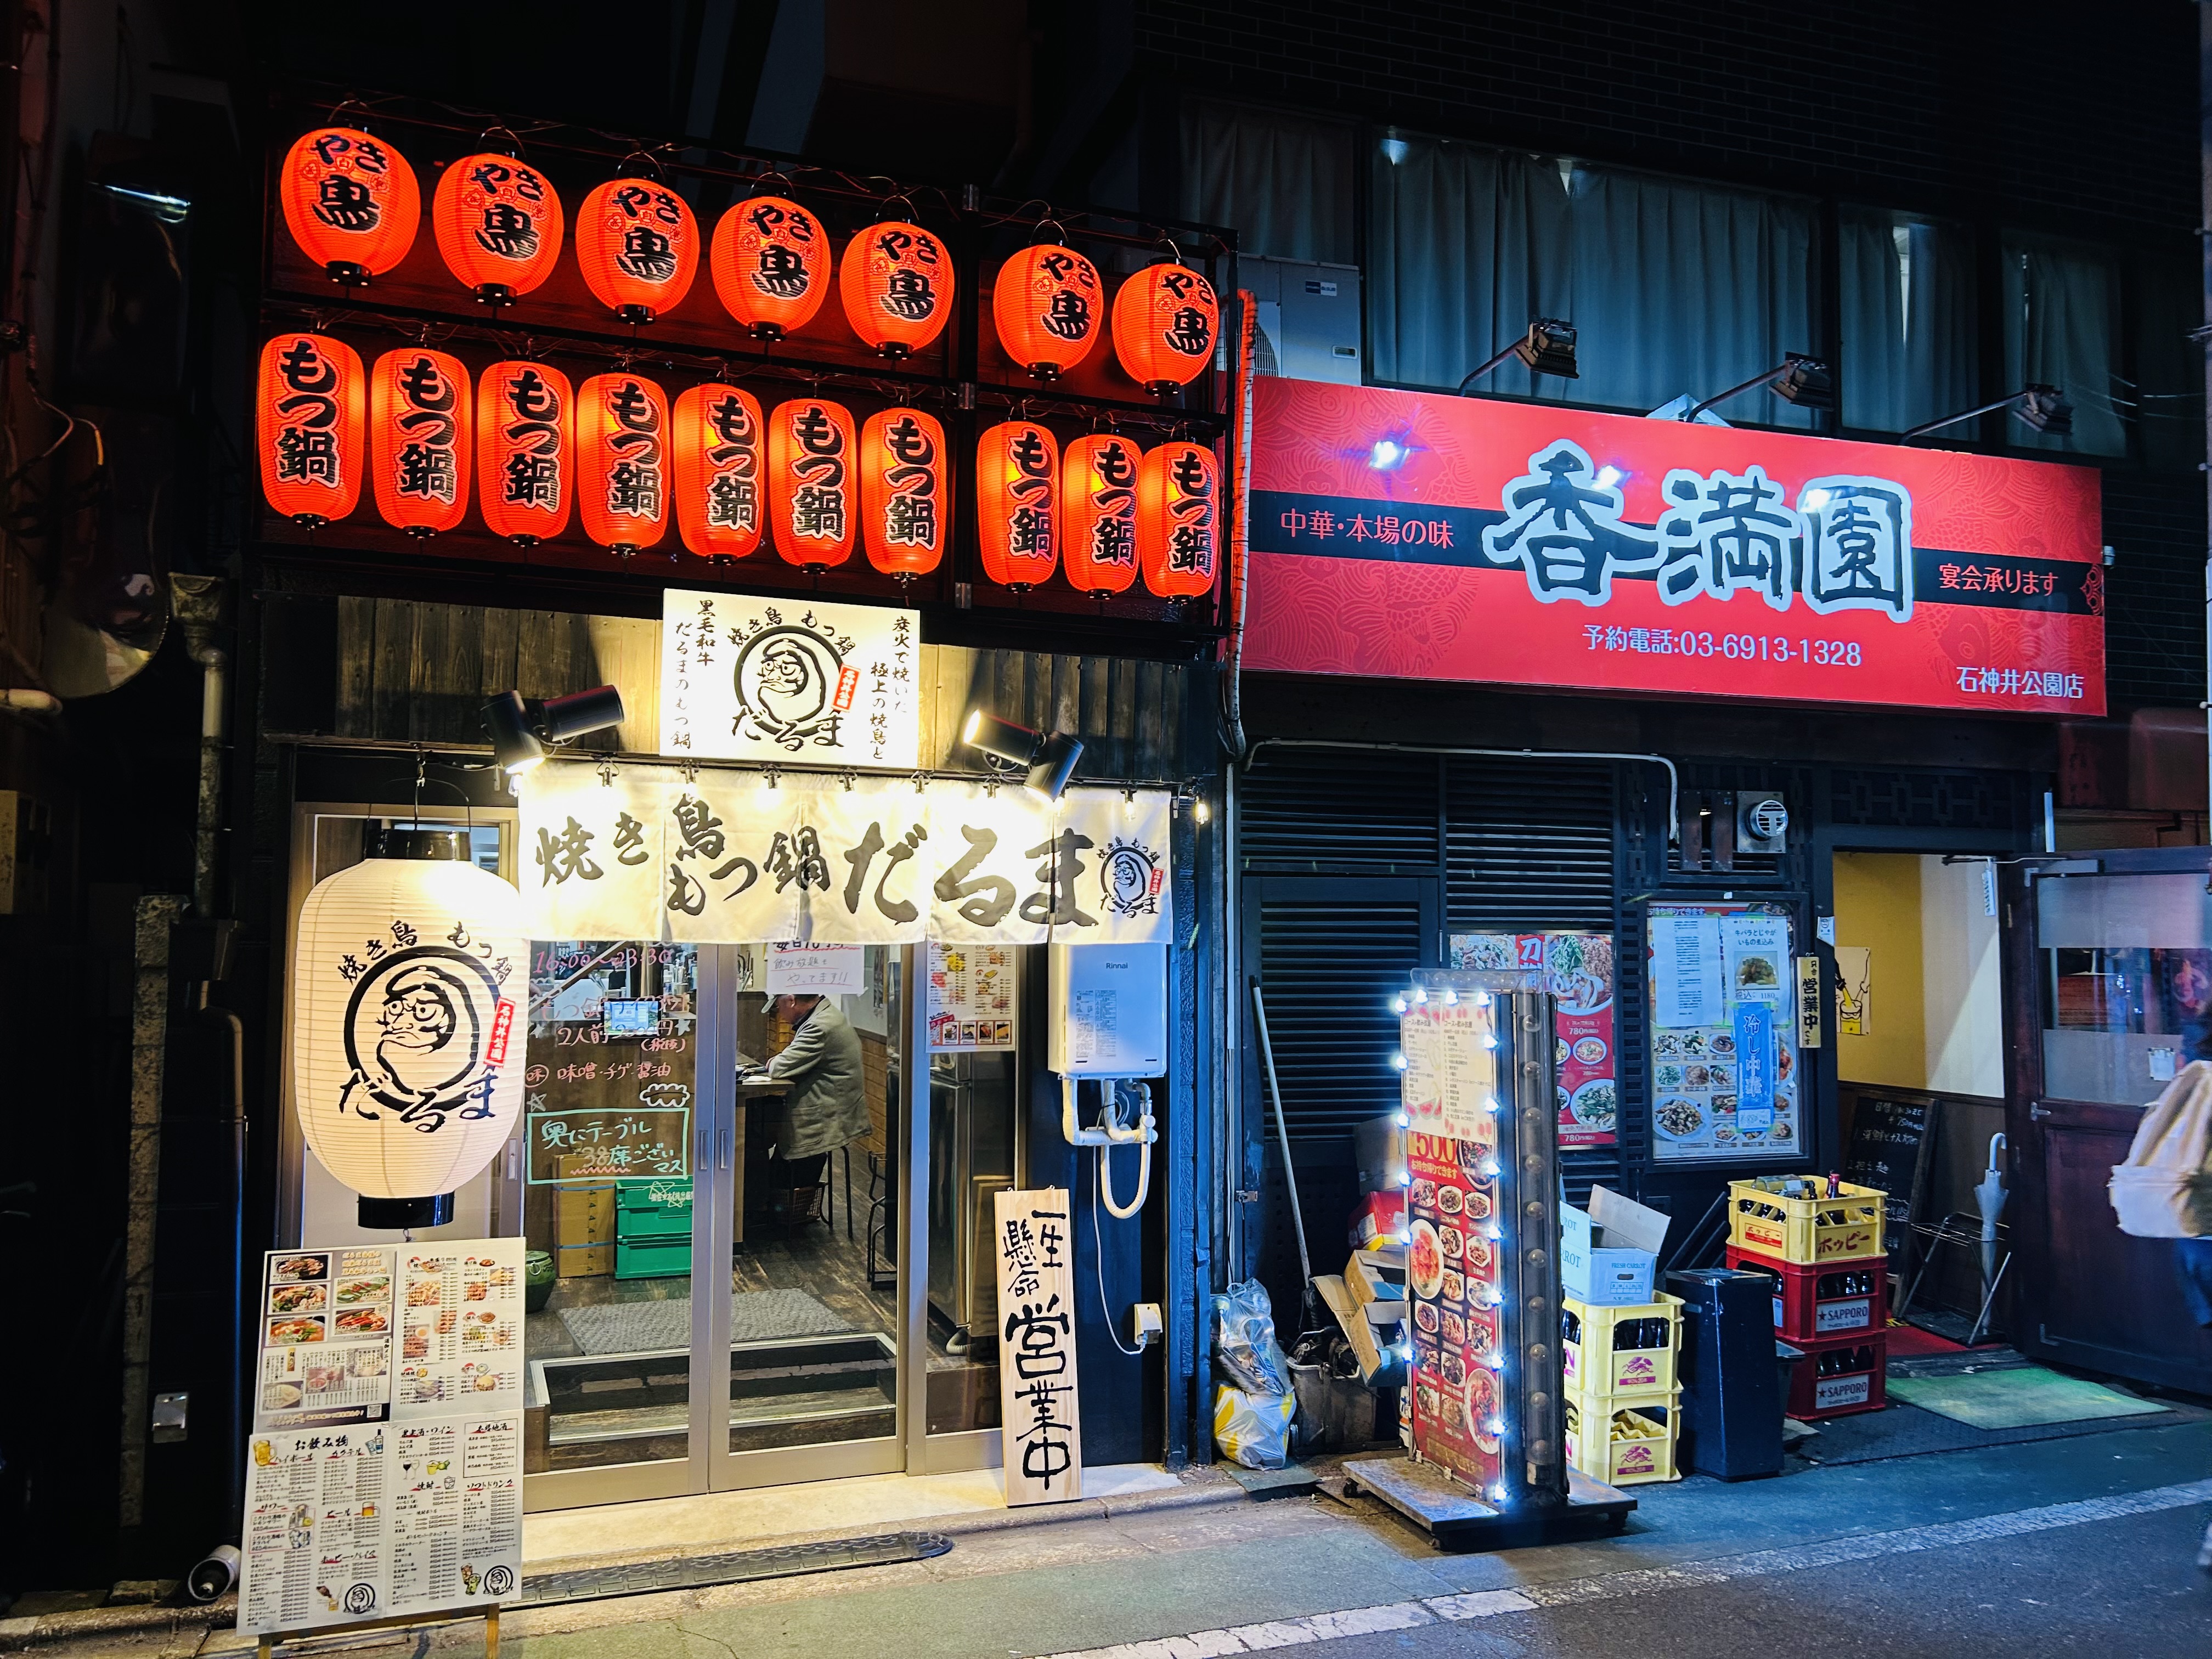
column 1802, row 1313
column 1861, row 1388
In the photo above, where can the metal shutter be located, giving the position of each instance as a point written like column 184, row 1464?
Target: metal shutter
column 1329, row 963
column 1315, row 811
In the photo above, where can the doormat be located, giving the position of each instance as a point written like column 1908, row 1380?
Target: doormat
column 735, row 1567
column 1904, row 1431
column 607, row 1328
column 2019, row 1397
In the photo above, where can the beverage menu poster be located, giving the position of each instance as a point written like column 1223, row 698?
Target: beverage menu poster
column 1452, row 1277
column 972, row 998
column 1579, row 971
column 384, row 1473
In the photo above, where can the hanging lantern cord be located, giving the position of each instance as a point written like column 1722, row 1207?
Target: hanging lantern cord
column 345, row 104
column 1175, row 253
column 514, row 144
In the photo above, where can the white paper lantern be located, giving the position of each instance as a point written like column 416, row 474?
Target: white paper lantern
column 410, row 985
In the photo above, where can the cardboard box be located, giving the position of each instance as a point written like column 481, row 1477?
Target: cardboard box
column 1377, row 1350
column 1609, row 1254
column 1376, row 1290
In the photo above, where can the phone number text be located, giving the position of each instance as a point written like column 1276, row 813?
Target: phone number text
column 1736, row 648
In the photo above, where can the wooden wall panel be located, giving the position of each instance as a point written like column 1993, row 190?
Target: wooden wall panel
column 414, row 672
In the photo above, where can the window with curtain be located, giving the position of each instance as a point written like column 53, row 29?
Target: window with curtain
column 1906, row 288
column 2061, row 328
column 1284, row 185
column 1674, row 288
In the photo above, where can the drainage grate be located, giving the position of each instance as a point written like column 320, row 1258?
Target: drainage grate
column 736, row 1567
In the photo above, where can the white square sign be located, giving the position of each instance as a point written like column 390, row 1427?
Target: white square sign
column 791, row 680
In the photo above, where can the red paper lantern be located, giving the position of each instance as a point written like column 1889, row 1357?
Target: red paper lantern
column 1016, row 491
column 1178, row 519
column 526, row 455
column 902, row 492
column 1098, row 513
column 770, row 259
column 311, row 404
column 1165, row 322
column 813, row 498
column 718, row 438
column 350, row 202
column 1047, row 303
column 638, row 247
column 418, row 440
column 621, row 462
column 897, row 282
column 499, row 226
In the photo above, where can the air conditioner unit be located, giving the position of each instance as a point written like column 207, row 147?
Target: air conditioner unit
column 1308, row 317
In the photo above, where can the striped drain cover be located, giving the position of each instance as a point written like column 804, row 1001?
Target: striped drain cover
column 735, row 1567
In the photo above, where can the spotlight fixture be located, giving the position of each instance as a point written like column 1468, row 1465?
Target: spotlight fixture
column 1048, row 762
column 1802, row 380
column 2042, row 408
column 1548, row 348
column 522, row 727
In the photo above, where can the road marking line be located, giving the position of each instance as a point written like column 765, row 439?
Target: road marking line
column 1489, row 1604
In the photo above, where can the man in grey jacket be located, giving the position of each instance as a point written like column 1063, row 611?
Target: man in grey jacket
column 828, row 1105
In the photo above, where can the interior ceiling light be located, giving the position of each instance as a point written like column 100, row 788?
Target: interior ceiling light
column 1548, row 348
column 1799, row 380
column 2043, row 407
column 523, row 728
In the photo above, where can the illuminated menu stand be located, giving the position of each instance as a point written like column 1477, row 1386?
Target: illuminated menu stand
column 1536, row 1494
column 266, row 1644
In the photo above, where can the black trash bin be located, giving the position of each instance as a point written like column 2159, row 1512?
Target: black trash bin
column 1731, row 1397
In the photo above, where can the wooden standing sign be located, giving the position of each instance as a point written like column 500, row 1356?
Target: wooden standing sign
column 1044, row 1433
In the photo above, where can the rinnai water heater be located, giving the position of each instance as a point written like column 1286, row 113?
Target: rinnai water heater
column 1108, row 1011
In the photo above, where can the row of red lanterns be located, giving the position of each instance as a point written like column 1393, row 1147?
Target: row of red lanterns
column 352, row 204
column 626, row 459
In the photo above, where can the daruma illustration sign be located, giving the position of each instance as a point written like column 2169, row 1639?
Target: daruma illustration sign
column 1415, row 536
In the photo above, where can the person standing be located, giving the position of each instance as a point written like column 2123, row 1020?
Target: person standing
column 828, row 1105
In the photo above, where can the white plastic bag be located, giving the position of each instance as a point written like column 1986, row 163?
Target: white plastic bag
column 1245, row 1343
column 2165, row 1188
column 1253, row 1429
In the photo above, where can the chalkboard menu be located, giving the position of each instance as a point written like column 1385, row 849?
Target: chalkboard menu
column 613, row 1063
column 1889, row 1150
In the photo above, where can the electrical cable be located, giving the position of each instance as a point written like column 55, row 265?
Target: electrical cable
column 1098, row 1259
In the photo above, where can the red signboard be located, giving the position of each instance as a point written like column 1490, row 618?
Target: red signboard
column 1417, row 536
column 1452, row 1269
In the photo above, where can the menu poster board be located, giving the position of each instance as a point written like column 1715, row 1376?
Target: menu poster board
column 1451, row 1074
column 973, row 993
column 1452, row 1275
column 1579, row 973
column 374, row 1493
column 1725, row 1055
column 607, row 1085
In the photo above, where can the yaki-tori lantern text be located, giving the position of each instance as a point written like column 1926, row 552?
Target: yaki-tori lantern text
column 770, row 260
column 897, row 282
column 1098, row 513
column 902, row 492
column 418, row 439
column 350, row 202
column 311, row 404
column 638, row 247
column 410, row 979
column 1016, row 480
column 621, row 462
column 499, row 226
column 717, row 439
column 1047, row 304
column 526, row 451
column 1178, row 519
column 1165, row 322
column 813, row 496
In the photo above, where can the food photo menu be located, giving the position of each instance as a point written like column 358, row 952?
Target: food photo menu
column 384, row 1471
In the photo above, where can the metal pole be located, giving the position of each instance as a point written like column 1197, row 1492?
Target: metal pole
column 2204, row 243
column 1283, row 1134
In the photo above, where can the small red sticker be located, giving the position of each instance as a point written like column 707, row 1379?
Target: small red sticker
column 502, row 1021
column 849, row 687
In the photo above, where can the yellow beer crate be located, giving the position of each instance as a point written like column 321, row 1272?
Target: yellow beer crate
column 1807, row 1231
column 1591, row 1362
column 1632, row 1444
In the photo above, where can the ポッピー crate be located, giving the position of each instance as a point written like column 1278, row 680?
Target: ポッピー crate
column 1806, row 1230
column 1627, row 1446
column 1838, row 1376
column 1829, row 1300
column 1606, row 1351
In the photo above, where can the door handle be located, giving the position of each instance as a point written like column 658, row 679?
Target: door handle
column 722, row 1147
column 2041, row 1114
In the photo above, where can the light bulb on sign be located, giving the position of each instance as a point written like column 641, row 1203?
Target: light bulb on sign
column 1495, row 1360
column 1405, row 1238
column 1387, row 454
column 1451, row 999
column 1491, row 1106
column 1482, row 999
column 1609, row 476
column 1495, row 1426
column 1420, row 995
column 1498, row 1492
column 1489, row 1168
column 1492, row 1233
column 1405, row 1178
column 1405, row 1122
column 1397, row 1062
column 1398, row 1005
column 1816, row 499
column 1489, row 1041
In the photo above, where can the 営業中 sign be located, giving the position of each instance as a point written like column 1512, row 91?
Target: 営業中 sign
column 1420, row 536
column 1044, row 1427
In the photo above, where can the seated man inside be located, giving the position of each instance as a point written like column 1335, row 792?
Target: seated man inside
column 827, row 1106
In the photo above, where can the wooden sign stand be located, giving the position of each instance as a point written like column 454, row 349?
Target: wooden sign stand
column 266, row 1646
